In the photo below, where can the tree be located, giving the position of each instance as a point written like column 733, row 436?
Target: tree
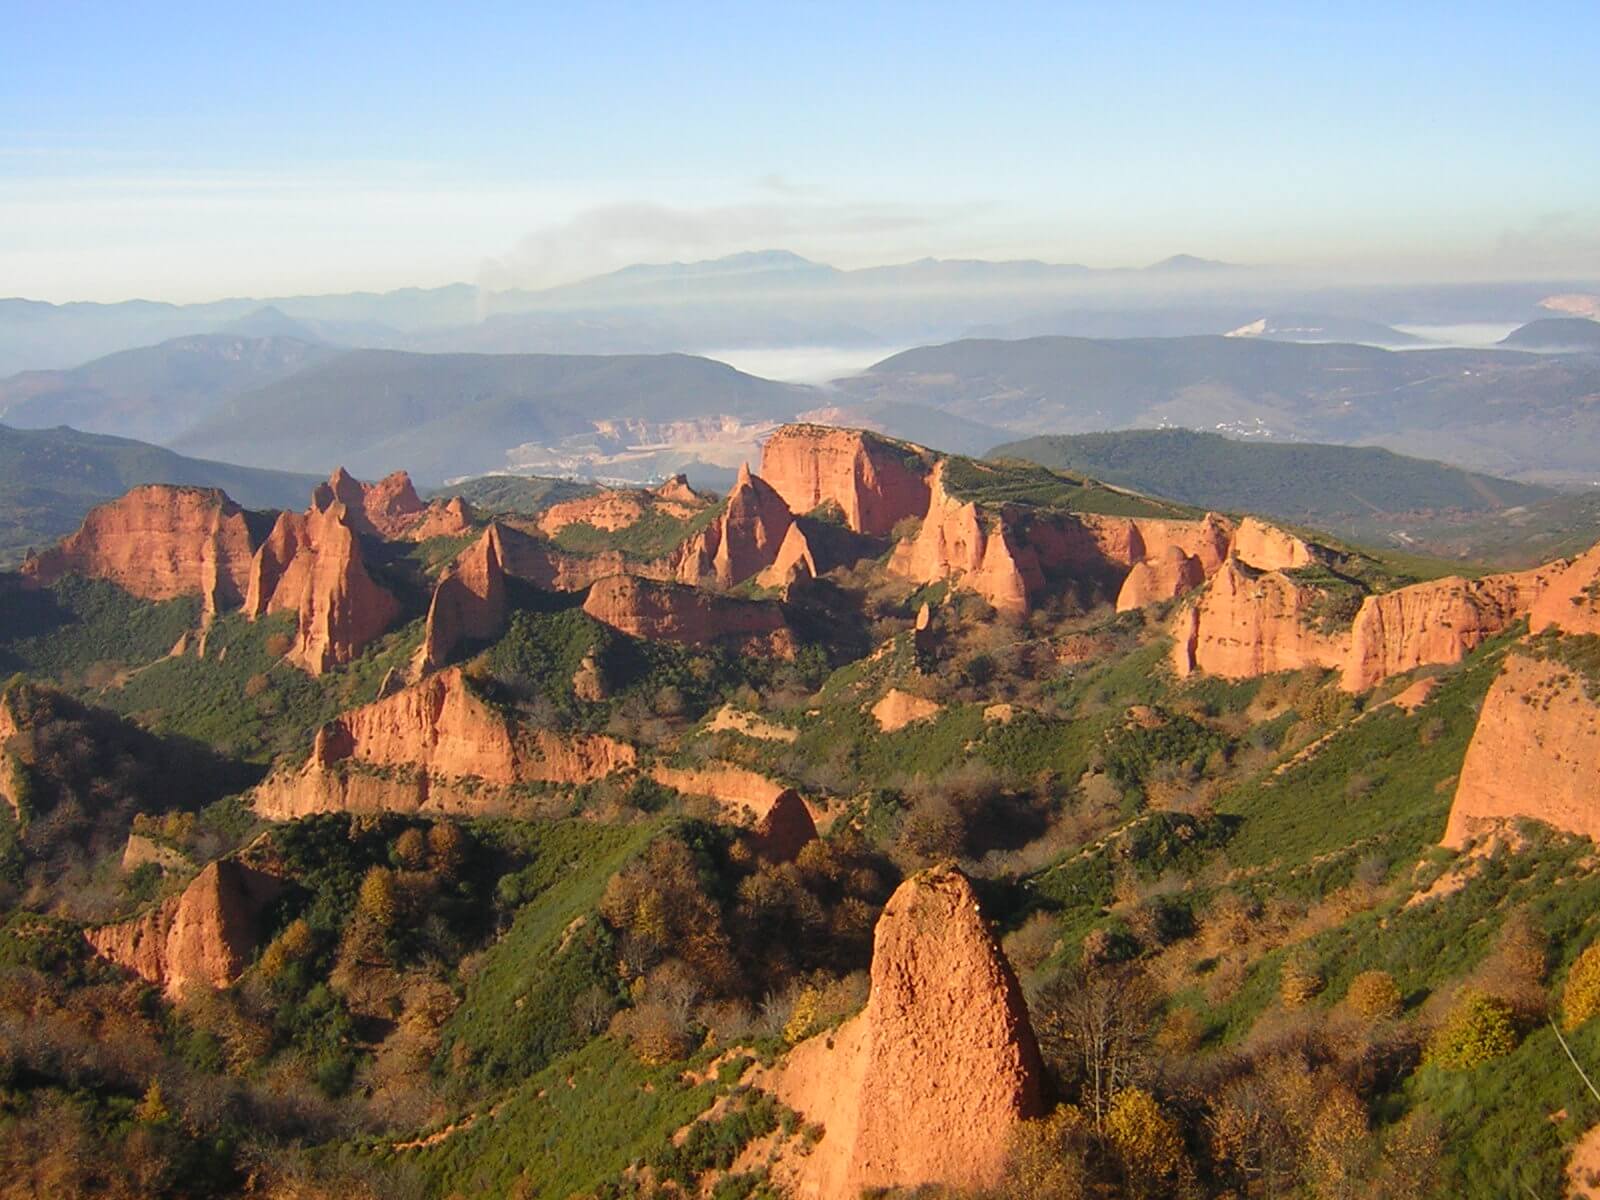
column 1094, row 1027
column 1478, row 1028
column 1148, row 1142
column 1298, row 982
column 411, row 849
column 1047, row 1157
column 1373, row 995
column 377, row 902
column 1580, row 998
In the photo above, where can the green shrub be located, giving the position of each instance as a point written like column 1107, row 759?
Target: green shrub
column 1478, row 1028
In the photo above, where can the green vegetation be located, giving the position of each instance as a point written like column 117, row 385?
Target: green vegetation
column 1016, row 482
column 84, row 630
column 524, row 495
column 652, row 536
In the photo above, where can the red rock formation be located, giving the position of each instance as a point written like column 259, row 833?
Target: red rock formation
column 1127, row 541
column 972, row 549
column 1571, row 601
column 452, row 518
column 875, row 482
column 1535, row 753
column 924, row 1087
column 469, row 601
column 742, row 542
column 1160, row 578
column 896, row 709
column 312, row 566
column 784, row 829
column 432, row 747
column 671, row 612
column 1247, row 623
column 795, row 560
column 159, row 542
column 203, row 936
column 677, row 491
column 1440, row 621
column 392, row 505
column 1268, row 548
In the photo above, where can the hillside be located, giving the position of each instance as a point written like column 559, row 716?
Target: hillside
column 1363, row 493
column 446, row 415
column 154, row 392
column 1570, row 334
column 792, row 843
column 49, row 478
column 1516, row 415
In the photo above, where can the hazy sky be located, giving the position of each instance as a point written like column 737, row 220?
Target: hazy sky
column 188, row 151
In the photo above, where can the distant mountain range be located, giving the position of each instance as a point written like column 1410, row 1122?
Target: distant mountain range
column 446, row 415
column 155, row 392
column 1530, row 417
column 775, row 298
column 49, row 478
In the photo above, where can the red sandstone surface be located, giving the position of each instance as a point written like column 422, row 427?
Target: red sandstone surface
column 159, row 542
column 875, row 482
column 203, row 936
column 924, row 1087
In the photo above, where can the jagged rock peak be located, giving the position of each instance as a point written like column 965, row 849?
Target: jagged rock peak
column 924, row 1087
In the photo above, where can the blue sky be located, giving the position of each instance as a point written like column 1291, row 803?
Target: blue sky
column 185, row 151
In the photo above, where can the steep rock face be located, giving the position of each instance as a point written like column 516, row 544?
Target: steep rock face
column 795, row 560
column 1268, row 548
column 1247, row 623
column 896, row 709
column 159, row 542
column 203, row 936
column 312, row 565
column 430, row 748
column 1155, row 580
column 744, row 541
column 1535, row 753
column 1440, row 621
column 1571, row 600
column 469, row 601
column 452, row 518
column 875, row 482
column 657, row 611
column 1128, row 541
column 925, row 1086
column 784, row 829
column 973, row 549
column 391, row 506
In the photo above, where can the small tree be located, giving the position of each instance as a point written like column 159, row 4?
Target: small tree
column 1298, row 983
column 377, row 903
column 411, row 849
column 1148, row 1142
column 1580, row 998
column 1479, row 1028
column 1373, row 995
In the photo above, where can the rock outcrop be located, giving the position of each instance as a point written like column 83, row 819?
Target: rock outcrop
column 203, row 936
column 159, row 542
column 875, row 482
column 469, row 601
column 1570, row 601
column 1268, row 548
column 744, row 541
column 671, row 612
column 795, row 560
column 1248, row 622
column 972, row 549
column 1155, row 580
column 621, row 508
column 896, row 709
column 435, row 747
column 1440, row 621
column 925, row 1086
column 312, row 565
column 1535, row 752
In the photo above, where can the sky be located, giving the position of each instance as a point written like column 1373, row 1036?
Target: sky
column 191, row 151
